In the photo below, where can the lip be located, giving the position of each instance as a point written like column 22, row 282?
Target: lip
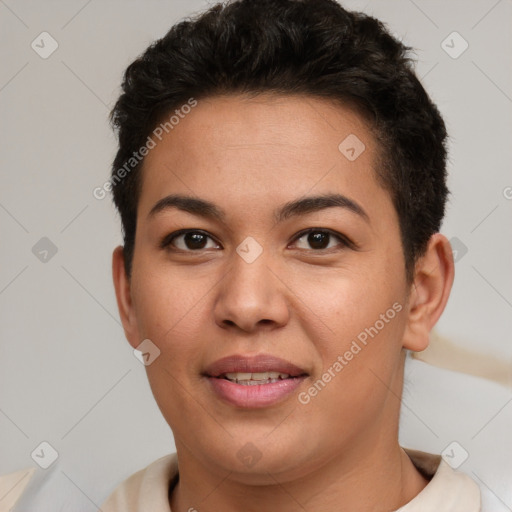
column 253, row 364
column 254, row 396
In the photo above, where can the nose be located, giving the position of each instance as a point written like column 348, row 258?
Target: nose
column 251, row 296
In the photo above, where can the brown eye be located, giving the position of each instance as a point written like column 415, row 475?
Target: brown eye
column 320, row 239
column 188, row 241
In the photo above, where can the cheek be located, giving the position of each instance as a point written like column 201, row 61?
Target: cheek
column 360, row 353
column 166, row 304
column 349, row 301
column 171, row 315
column 174, row 310
column 360, row 374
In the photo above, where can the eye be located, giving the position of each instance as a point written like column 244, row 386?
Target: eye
column 187, row 240
column 319, row 239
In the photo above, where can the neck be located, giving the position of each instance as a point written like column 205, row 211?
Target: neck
column 364, row 478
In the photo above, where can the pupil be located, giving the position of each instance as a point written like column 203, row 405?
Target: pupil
column 194, row 240
column 317, row 240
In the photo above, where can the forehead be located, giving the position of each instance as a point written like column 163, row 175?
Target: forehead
column 270, row 146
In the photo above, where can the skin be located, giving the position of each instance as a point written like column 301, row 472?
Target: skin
column 296, row 301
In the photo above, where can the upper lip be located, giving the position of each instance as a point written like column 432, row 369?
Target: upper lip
column 253, row 364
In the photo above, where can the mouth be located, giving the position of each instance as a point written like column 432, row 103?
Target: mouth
column 254, row 382
column 255, row 379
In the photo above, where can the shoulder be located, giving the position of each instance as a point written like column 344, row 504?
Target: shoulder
column 147, row 489
column 448, row 490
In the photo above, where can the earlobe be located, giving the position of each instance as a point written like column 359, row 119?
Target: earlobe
column 433, row 279
column 123, row 297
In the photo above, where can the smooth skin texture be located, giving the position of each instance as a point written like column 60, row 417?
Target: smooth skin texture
column 199, row 301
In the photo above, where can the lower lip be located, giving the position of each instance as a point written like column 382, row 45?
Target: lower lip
column 259, row 395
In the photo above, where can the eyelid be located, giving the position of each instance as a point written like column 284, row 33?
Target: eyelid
column 343, row 239
column 166, row 241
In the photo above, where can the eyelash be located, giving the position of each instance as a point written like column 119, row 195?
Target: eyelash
column 166, row 242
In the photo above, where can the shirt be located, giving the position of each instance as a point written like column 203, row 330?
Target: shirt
column 447, row 491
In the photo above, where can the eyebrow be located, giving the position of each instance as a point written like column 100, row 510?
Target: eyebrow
column 298, row 207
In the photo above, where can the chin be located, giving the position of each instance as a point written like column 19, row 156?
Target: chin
column 261, row 461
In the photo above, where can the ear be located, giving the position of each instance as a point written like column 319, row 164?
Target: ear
column 433, row 279
column 124, row 299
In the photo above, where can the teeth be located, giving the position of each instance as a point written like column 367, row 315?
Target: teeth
column 255, row 378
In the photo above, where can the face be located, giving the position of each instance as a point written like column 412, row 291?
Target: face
column 261, row 270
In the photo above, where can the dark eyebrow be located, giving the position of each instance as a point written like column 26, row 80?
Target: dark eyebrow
column 294, row 208
column 315, row 203
column 189, row 204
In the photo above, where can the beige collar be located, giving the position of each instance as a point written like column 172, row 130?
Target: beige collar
column 447, row 491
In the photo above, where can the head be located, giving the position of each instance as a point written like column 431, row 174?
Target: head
column 313, row 165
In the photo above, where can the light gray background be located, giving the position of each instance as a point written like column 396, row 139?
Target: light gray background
column 67, row 374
